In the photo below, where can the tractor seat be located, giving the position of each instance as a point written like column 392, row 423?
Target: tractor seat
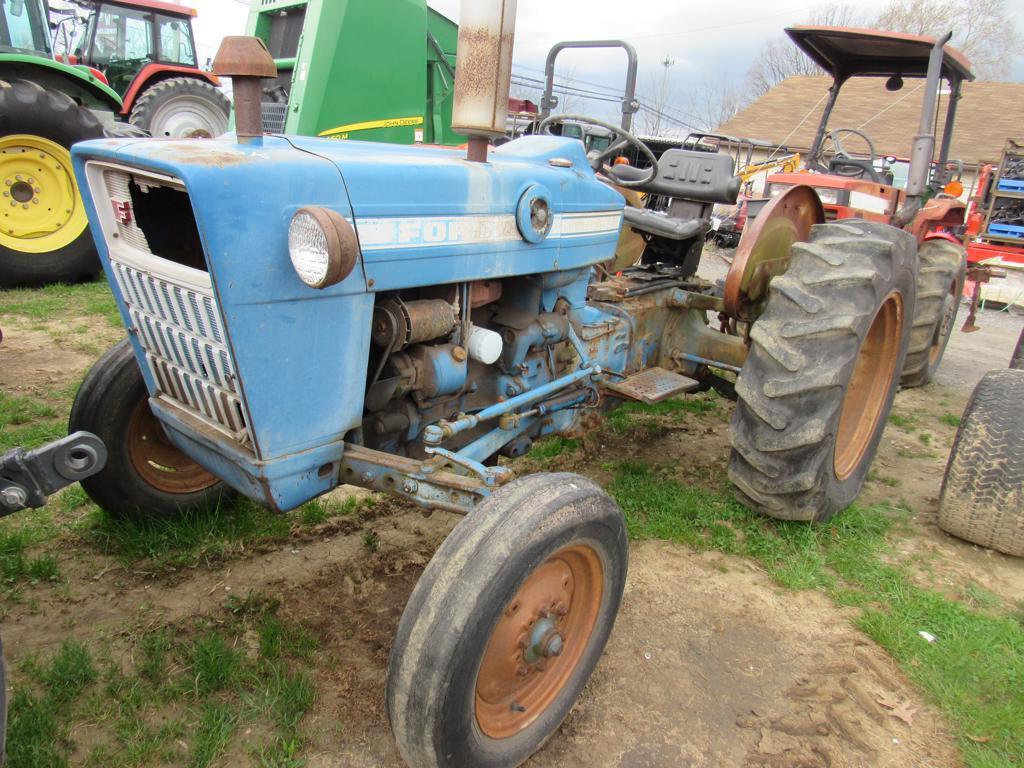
column 686, row 174
column 655, row 223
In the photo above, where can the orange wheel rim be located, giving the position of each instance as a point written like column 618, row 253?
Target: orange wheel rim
column 159, row 462
column 539, row 640
column 873, row 374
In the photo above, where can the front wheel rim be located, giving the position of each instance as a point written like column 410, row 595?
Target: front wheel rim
column 867, row 393
column 40, row 207
column 540, row 639
column 188, row 117
column 159, row 463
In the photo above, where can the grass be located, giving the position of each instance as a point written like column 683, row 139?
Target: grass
column 182, row 697
column 61, row 301
column 631, row 415
column 552, row 447
column 903, row 421
column 974, row 671
column 205, row 536
column 950, row 419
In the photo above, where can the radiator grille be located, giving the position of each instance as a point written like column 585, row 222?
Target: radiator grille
column 119, row 193
column 173, row 312
column 180, row 330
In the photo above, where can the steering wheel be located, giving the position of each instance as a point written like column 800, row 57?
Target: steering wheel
column 623, row 138
column 843, row 159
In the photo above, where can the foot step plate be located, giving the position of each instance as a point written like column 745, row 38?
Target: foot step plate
column 653, row 385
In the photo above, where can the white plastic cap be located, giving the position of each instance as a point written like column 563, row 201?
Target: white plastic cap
column 484, row 345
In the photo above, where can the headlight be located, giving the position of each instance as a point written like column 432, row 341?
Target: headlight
column 828, row 195
column 322, row 246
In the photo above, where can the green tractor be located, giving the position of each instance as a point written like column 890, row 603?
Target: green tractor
column 132, row 61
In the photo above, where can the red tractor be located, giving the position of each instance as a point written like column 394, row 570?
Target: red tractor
column 146, row 51
column 848, row 185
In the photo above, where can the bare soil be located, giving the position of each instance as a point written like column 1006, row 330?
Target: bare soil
column 710, row 663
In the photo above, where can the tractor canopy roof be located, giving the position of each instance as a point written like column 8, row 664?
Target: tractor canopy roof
column 163, row 6
column 847, row 52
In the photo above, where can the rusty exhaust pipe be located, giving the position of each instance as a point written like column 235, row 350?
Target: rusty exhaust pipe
column 483, row 72
column 247, row 62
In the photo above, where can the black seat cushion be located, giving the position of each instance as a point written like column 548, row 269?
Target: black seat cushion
column 689, row 175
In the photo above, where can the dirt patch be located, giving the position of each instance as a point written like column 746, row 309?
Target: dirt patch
column 746, row 674
column 32, row 362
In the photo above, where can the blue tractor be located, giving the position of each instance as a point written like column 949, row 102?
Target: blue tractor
column 304, row 313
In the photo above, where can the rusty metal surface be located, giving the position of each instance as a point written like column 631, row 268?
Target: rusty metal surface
column 764, row 249
column 243, row 56
column 653, row 385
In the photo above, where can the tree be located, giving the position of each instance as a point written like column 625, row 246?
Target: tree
column 712, row 102
column 982, row 29
column 662, row 93
column 780, row 59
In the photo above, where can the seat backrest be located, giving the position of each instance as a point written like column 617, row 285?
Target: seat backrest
column 687, row 174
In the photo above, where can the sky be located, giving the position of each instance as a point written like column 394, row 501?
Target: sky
column 705, row 40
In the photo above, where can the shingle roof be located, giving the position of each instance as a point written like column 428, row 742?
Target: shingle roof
column 988, row 114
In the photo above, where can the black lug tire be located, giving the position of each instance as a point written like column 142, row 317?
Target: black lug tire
column 804, row 347
column 982, row 498
column 1017, row 361
column 28, row 108
column 432, row 671
column 942, row 269
column 104, row 405
column 146, row 106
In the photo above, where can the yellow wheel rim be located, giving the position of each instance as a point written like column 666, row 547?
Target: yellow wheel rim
column 40, row 208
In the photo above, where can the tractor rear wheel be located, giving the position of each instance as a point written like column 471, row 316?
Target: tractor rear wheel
column 182, row 108
column 982, row 498
column 942, row 269
column 146, row 476
column 507, row 623
column 44, row 232
column 823, row 368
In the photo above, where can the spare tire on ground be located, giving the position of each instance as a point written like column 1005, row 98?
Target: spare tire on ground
column 982, row 497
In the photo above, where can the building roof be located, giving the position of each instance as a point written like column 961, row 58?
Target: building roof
column 988, row 114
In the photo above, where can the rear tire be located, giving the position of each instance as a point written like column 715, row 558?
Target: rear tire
column 145, row 476
column 942, row 269
column 545, row 554
column 982, row 497
column 49, row 241
column 1017, row 361
column 823, row 368
column 182, row 108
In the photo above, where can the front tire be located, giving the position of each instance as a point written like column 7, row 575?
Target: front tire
column 982, row 498
column 823, row 368
column 44, row 232
column 942, row 269
column 506, row 624
column 145, row 476
column 182, row 108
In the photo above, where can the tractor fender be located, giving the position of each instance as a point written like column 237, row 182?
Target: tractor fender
column 944, row 236
column 154, row 73
column 937, row 212
column 78, row 83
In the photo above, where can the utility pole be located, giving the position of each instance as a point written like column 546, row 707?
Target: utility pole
column 662, row 93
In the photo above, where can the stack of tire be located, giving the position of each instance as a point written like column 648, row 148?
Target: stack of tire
column 982, row 497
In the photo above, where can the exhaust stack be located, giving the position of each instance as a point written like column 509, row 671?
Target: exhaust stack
column 246, row 61
column 483, row 72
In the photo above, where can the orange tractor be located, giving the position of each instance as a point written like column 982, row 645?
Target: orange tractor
column 844, row 185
